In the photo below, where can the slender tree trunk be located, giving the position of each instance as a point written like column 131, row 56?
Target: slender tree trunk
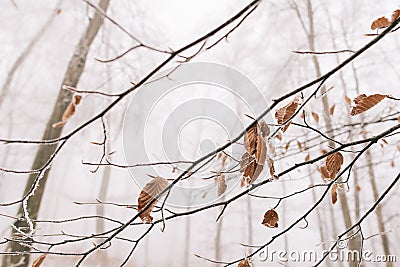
column 218, row 237
column 73, row 73
column 249, row 224
column 25, row 53
column 354, row 243
column 371, row 174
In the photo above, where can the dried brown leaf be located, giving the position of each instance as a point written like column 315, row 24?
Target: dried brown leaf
column 334, row 193
column 279, row 136
column 347, row 99
column 332, row 110
column 245, row 263
column 38, row 262
column 334, row 163
column 271, row 166
column 148, row 193
column 286, row 126
column 261, row 150
column 307, row 158
column 299, row 145
column 380, row 23
column 364, row 102
column 287, row 145
column 251, row 173
column 395, row 15
column 221, row 184
column 358, row 188
column 315, row 116
column 271, row 219
column 69, row 111
column 324, row 172
column 250, row 139
column 283, row 114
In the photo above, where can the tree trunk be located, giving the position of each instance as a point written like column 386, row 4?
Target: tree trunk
column 354, row 243
column 73, row 73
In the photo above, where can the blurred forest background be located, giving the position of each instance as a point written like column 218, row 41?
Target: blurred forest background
column 38, row 40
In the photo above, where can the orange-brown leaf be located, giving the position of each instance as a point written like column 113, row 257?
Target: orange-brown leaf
column 334, row 193
column 245, row 263
column 380, row 23
column 347, row 99
column 324, row 172
column 251, row 173
column 271, row 166
column 271, row 219
column 332, row 110
column 315, row 116
column 69, row 111
column 307, row 158
column 250, row 139
column 221, row 184
column 395, row 15
column 148, row 194
column 364, row 102
column 283, row 114
column 286, row 126
column 279, row 136
column 38, row 262
column 334, row 163
column 261, row 150
column 299, row 145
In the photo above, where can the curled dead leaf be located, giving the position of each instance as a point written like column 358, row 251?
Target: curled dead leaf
column 221, row 184
column 271, row 219
column 395, row 15
column 245, row 263
column 283, row 114
column 364, row 102
column 334, row 193
column 347, row 99
column 148, row 194
column 332, row 110
column 69, row 111
column 324, row 172
column 261, row 150
column 315, row 116
column 251, row 173
column 334, row 163
column 250, row 139
column 380, row 23
column 271, row 167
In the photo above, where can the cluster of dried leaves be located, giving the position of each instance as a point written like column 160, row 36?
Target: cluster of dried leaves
column 255, row 157
column 384, row 22
column 69, row 111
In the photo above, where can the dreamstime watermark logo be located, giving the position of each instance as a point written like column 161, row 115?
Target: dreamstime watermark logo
column 340, row 253
column 183, row 114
